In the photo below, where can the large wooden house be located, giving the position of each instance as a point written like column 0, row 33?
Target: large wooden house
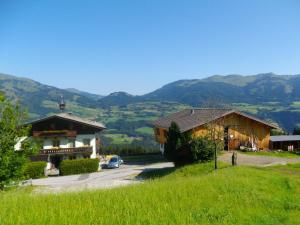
column 236, row 128
column 65, row 136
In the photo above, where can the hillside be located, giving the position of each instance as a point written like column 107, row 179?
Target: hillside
column 41, row 99
column 232, row 89
column 127, row 123
column 128, row 117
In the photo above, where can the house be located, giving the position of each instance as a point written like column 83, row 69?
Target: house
column 236, row 128
column 285, row 142
column 65, row 136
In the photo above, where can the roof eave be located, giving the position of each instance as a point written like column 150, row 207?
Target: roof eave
column 73, row 120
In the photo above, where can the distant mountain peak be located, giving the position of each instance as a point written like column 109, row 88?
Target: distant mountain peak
column 120, row 94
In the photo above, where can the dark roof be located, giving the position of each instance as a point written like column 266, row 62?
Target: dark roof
column 285, row 138
column 191, row 118
column 71, row 117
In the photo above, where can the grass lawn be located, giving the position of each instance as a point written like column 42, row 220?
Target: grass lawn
column 274, row 154
column 190, row 195
column 120, row 138
column 145, row 130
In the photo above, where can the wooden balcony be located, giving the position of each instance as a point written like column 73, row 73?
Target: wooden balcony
column 55, row 133
column 61, row 151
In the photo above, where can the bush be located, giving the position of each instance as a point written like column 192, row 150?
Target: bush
column 77, row 166
column 34, row 169
column 202, row 149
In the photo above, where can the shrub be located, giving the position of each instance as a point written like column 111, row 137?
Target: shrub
column 202, row 149
column 34, row 169
column 77, row 166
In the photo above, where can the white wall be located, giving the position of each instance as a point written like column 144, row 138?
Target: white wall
column 92, row 137
column 64, row 142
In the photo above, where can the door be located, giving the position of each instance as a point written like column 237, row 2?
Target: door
column 226, row 138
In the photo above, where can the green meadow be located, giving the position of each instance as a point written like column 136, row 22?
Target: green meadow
column 194, row 194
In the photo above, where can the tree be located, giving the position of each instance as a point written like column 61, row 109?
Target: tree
column 296, row 129
column 173, row 142
column 278, row 131
column 216, row 126
column 11, row 130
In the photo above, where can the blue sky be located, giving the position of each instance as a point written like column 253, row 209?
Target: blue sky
column 138, row 46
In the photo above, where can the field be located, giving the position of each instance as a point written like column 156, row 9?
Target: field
column 190, row 195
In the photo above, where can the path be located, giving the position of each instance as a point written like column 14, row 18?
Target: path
column 256, row 160
column 100, row 180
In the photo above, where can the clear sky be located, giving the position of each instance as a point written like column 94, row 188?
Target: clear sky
column 138, row 46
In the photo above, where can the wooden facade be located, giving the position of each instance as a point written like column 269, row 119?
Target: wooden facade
column 234, row 128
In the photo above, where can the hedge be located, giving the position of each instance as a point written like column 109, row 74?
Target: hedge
column 77, row 166
column 35, row 169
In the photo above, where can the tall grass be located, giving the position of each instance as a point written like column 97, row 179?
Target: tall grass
column 190, row 195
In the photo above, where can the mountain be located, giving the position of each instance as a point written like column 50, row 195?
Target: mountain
column 118, row 98
column 83, row 93
column 253, row 89
column 41, row 99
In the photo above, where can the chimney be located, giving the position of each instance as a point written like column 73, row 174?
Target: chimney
column 62, row 104
column 192, row 111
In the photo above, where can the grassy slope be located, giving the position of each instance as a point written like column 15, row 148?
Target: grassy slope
column 190, row 195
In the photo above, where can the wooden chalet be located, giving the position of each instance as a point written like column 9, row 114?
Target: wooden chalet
column 65, row 136
column 237, row 129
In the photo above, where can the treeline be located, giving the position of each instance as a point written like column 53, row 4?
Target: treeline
column 128, row 127
column 127, row 150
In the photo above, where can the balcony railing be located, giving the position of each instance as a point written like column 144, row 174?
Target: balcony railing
column 57, row 151
column 55, row 133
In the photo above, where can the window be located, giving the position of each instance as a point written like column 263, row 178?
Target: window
column 86, row 142
column 55, row 143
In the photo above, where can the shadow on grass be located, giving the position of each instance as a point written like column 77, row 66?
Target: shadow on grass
column 154, row 173
column 143, row 159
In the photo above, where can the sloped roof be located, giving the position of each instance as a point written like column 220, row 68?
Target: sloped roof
column 191, row 118
column 285, row 138
column 72, row 117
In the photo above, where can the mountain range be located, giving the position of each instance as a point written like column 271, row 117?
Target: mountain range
column 269, row 96
column 253, row 89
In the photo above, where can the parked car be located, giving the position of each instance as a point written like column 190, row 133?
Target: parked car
column 114, row 162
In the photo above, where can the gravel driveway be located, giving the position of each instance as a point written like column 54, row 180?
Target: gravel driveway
column 255, row 160
column 107, row 178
